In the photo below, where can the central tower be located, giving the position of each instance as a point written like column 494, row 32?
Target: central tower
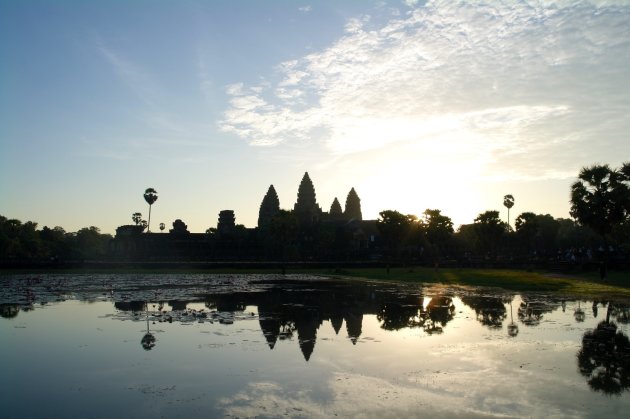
column 306, row 208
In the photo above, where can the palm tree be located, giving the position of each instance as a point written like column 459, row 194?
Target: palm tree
column 162, row 226
column 601, row 197
column 150, row 195
column 508, row 202
column 137, row 218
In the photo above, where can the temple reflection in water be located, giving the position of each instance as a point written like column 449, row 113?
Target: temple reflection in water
column 252, row 325
column 291, row 310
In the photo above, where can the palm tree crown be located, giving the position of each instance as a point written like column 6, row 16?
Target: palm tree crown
column 508, row 202
column 150, row 195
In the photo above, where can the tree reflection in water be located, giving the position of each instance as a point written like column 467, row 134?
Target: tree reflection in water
column 295, row 309
column 9, row 311
column 512, row 328
column 531, row 310
column 148, row 340
column 621, row 312
column 490, row 311
column 400, row 314
column 604, row 358
column 440, row 310
column 579, row 314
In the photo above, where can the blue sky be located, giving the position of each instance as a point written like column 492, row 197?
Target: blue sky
column 437, row 104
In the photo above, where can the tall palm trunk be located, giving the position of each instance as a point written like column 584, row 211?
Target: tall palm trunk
column 149, row 221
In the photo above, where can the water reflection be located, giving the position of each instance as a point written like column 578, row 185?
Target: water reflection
column 512, row 328
column 490, row 310
column 9, row 311
column 579, row 314
column 620, row 312
column 305, row 312
column 533, row 308
column 440, row 311
column 148, row 340
column 604, row 358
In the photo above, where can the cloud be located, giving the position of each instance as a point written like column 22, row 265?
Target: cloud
column 442, row 394
column 305, row 9
column 500, row 82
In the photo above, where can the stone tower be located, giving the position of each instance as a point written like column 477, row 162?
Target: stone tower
column 226, row 222
column 335, row 210
column 306, row 208
column 353, row 206
column 269, row 207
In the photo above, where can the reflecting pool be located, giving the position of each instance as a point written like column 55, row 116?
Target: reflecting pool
column 301, row 346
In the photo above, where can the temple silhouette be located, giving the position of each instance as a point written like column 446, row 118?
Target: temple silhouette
column 303, row 233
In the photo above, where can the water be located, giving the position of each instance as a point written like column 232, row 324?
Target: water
column 283, row 346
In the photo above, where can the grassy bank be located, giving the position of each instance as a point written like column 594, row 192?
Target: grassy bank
column 617, row 284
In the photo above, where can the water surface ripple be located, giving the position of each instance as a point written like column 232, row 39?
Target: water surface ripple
column 304, row 346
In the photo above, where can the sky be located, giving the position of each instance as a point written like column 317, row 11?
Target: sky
column 444, row 105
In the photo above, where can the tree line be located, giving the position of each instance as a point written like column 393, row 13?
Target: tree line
column 599, row 229
column 22, row 241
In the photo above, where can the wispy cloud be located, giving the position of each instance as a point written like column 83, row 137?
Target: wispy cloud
column 158, row 126
column 305, row 9
column 492, row 81
column 136, row 79
column 411, row 3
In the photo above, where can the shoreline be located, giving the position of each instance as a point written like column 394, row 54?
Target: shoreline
column 617, row 284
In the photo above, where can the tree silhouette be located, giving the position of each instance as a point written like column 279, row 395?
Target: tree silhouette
column 537, row 231
column 90, row 243
column 526, row 228
column 508, row 202
column 525, row 221
column 137, row 218
column 150, row 195
column 600, row 199
column 438, row 228
column 489, row 229
column 396, row 230
column 162, row 226
column 179, row 227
